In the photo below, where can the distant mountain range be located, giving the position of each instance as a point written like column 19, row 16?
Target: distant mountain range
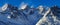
column 26, row 15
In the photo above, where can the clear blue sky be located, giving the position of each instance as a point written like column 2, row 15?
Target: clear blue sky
column 31, row 2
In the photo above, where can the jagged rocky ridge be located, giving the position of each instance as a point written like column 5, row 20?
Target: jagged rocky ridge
column 25, row 15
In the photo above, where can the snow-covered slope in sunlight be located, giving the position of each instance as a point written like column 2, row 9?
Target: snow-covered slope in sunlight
column 23, row 6
column 4, row 7
column 50, row 18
